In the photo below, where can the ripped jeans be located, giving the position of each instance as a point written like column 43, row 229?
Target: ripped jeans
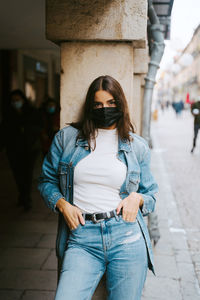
column 114, row 246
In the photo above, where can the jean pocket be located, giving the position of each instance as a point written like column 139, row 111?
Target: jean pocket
column 128, row 222
column 75, row 229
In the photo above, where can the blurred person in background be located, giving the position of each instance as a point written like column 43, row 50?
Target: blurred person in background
column 195, row 110
column 178, row 107
column 19, row 135
column 51, row 123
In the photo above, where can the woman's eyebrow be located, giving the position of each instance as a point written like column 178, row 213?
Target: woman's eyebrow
column 106, row 100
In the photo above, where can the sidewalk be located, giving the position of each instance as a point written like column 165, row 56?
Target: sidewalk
column 176, row 278
column 28, row 262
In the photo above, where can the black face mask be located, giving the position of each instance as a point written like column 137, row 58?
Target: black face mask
column 106, row 116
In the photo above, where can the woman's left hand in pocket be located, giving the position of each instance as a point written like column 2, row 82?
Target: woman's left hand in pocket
column 130, row 206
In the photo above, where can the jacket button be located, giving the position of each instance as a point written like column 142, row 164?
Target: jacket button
column 86, row 147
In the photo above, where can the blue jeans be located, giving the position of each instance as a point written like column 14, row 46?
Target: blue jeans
column 114, row 246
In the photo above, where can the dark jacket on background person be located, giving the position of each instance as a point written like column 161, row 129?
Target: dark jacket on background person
column 196, row 116
column 19, row 135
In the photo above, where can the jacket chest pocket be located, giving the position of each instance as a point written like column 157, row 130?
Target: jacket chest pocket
column 62, row 172
column 133, row 182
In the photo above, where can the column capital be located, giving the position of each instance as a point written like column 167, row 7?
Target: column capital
column 107, row 20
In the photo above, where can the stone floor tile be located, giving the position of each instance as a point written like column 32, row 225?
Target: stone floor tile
column 20, row 239
column 179, row 241
column 165, row 266
column 162, row 289
column 52, row 217
column 38, row 295
column 51, row 262
column 182, row 256
column 10, row 295
column 27, row 258
column 28, row 279
column 28, row 226
column 47, row 241
column 190, row 290
column 187, row 271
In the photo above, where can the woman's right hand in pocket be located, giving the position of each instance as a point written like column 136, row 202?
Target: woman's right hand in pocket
column 72, row 214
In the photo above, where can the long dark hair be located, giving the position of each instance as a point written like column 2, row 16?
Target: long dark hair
column 87, row 126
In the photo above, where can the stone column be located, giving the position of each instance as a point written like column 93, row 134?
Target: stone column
column 140, row 69
column 96, row 37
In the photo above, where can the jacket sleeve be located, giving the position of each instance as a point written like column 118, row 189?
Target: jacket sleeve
column 48, row 181
column 148, row 186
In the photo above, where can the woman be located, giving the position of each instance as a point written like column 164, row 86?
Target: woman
column 97, row 176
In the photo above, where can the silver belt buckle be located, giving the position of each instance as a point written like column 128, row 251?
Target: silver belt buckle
column 94, row 220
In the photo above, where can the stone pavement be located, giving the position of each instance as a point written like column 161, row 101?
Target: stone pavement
column 176, row 277
column 28, row 263
column 177, row 255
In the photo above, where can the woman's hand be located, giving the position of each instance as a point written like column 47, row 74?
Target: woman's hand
column 130, row 206
column 71, row 213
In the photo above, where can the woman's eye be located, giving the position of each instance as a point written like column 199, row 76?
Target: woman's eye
column 96, row 104
column 112, row 102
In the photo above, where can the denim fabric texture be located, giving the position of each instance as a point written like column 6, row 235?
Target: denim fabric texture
column 56, row 181
column 113, row 245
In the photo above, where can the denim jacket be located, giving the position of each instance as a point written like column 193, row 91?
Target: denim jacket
column 56, row 179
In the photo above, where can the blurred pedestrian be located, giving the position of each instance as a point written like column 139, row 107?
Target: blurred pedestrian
column 51, row 123
column 19, row 134
column 178, row 107
column 195, row 110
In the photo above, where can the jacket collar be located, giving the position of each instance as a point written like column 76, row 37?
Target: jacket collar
column 122, row 145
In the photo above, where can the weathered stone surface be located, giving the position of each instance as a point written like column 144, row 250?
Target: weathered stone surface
column 173, row 141
column 183, row 256
column 141, row 60
column 51, row 262
column 190, row 290
column 135, row 105
column 96, row 20
column 47, row 241
column 26, row 226
column 38, row 295
column 28, row 258
column 187, row 271
column 10, row 295
column 20, row 239
column 28, row 279
column 162, row 289
column 165, row 266
column 81, row 63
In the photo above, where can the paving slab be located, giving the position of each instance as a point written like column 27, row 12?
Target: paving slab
column 26, row 258
column 20, row 239
column 38, row 295
column 10, row 295
column 47, row 241
column 162, row 289
column 28, row 279
column 51, row 261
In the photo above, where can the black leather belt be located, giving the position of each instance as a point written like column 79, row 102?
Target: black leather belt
column 97, row 217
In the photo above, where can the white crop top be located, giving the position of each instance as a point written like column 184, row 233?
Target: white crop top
column 99, row 176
